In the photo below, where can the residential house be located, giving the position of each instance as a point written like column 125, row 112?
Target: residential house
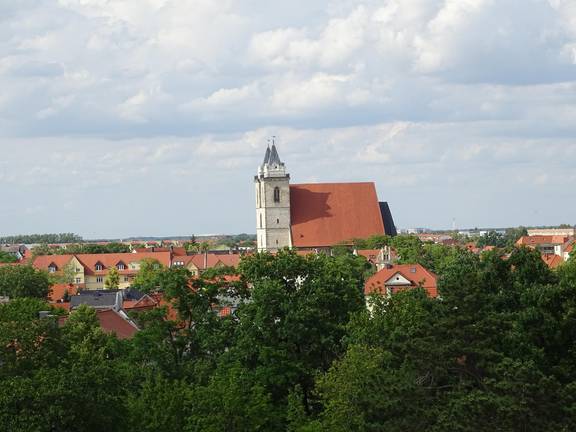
column 546, row 244
column 197, row 263
column 399, row 277
column 90, row 270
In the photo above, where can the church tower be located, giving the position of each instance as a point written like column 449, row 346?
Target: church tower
column 272, row 203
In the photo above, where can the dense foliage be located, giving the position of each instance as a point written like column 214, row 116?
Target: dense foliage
column 81, row 248
column 6, row 257
column 41, row 238
column 302, row 353
column 17, row 281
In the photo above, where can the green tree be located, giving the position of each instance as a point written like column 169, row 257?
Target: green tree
column 6, row 257
column 24, row 281
column 112, row 280
column 293, row 326
column 148, row 277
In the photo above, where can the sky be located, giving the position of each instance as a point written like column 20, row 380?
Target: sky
column 149, row 117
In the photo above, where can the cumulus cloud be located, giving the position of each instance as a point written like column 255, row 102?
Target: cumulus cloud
column 428, row 98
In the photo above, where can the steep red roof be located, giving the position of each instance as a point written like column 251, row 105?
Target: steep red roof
column 89, row 261
column 111, row 322
column 414, row 273
column 552, row 261
column 325, row 214
column 145, row 303
column 42, row 262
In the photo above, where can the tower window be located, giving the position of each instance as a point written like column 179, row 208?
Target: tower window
column 277, row 194
column 260, row 220
column 277, row 221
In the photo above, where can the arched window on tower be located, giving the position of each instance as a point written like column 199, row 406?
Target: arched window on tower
column 277, row 194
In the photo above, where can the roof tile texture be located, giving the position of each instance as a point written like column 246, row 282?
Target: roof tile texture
column 325, row 214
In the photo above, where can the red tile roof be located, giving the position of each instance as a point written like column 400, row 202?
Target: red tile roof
column 110, row 322
column 325, row 214
column 552, row 261
column 89, row 261
column 371, row 255
column 42, row 262
column 210, row 260
column 57, row 291
column 541, row 239
column 414, row 273
column 146, row 302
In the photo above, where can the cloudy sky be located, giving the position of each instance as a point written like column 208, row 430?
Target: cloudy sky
column 149, row 117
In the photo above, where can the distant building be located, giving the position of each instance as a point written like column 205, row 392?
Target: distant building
column 399, row 277
column 17, row 251
column 565, row 232
column 314, row 216
column 546, row 244
column 90, row 270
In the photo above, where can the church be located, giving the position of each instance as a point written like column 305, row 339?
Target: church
column 314, row 216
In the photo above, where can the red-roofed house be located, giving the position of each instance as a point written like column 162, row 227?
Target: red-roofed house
column 197, row 263
column 90, row 270
column 113, row 322
column 314, row 215
column 546, row 244
column 394, row 278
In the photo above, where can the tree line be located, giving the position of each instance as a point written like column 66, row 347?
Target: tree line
column 41, row 238
column 497, row 351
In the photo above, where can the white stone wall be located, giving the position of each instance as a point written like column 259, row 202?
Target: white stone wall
column 272, row 218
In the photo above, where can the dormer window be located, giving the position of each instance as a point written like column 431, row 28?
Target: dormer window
column 99, row 267
column 121, row 266
column 52, row 268
column 276, row 194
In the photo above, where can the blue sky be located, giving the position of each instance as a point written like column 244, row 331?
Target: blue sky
column 149, row 117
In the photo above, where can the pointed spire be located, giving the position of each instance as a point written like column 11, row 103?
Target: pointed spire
column 274, row 158
column 267, row 156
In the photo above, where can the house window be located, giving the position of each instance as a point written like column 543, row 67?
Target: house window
column 78, row 280
column 276, row 194
column 125, row 278
column 98, row 267
column 99, row 279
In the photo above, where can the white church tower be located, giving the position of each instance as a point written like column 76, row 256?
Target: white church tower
column 272, row 203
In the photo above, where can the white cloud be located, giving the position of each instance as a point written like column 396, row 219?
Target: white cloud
column 459, row 95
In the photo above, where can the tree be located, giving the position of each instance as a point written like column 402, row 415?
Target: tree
column 24, row 281
column 293, row 326
column 148, row 277
column 6, row 257
column 112, row 279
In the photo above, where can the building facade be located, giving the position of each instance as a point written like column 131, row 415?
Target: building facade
column 314, row 216
column 272, row 184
